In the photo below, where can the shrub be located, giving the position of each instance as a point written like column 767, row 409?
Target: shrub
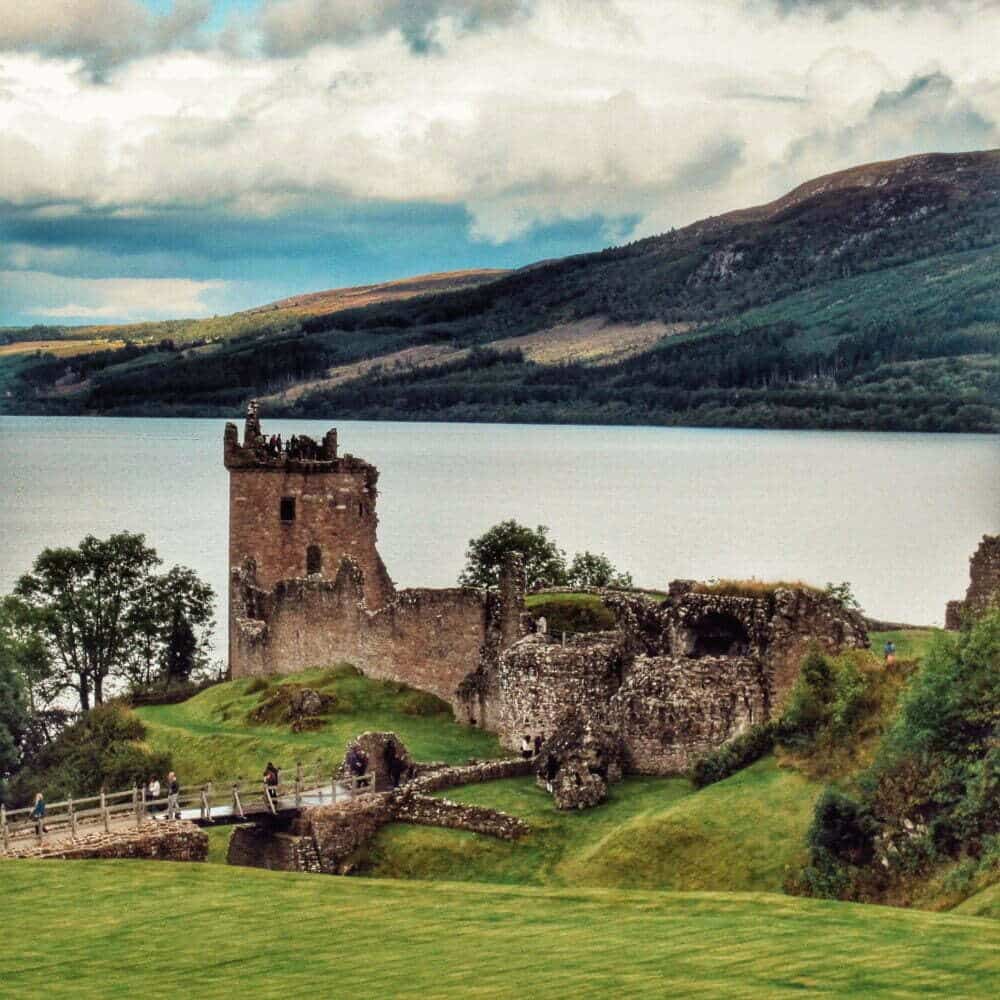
column 843, row 828
column 564, row 614
column 103, row 749
column 733, row 756
column 424, row 704
column 258, row 684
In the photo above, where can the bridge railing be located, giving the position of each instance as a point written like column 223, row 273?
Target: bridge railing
column 202, row 803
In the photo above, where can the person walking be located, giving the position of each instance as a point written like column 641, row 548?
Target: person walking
column 271, row 782
column 173, row 797
column 38, row 814
column 890, row 653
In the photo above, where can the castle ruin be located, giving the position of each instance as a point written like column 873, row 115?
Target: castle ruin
column 984, row 584
column 674, row 678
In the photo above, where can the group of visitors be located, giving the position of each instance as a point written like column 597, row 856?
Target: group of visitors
column 531, row 747
column 295, row 447
column 154, row 794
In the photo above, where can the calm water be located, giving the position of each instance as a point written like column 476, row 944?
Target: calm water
column 896, row 515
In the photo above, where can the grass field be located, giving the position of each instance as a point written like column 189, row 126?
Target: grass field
column 652, row 833
column 124, row 929
column 209, row 739
column 60, row 348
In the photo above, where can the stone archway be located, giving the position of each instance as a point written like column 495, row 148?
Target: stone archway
column 719, row 634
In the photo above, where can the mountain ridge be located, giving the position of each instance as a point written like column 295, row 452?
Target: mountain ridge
column 863, row 298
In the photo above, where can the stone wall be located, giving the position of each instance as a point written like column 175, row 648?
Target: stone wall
column 984, row 583
column 487, row 770
column 176, row 840
column 425, row 810
column 539, row 678
column 671, row 709
column 428, row 639
column 265, row 846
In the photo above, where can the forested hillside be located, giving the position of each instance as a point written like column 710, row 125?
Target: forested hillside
column 866, row 299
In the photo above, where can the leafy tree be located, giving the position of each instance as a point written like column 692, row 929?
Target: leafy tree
column 13, row 713
column 544, row 561
column 590, row 570
column 104, row 614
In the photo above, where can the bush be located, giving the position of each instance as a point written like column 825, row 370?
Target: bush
column 257, row 685
column 174, row 694
column 843, row 828
column 565, row 614
column 103, row 749
column 738, row 753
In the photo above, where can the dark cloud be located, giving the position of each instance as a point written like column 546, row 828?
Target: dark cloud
column 292, row 26
column 101, row 33
column 839, row 8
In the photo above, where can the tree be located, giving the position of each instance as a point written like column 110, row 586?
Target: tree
column 104, row 614
column 590, row 570
column 544, row 562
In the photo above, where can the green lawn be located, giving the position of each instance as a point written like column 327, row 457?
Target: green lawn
column 911, row 644
column 124, row 929
column 652, row 833
column 209, row 738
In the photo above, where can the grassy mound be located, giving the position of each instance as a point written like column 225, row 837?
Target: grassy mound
column 120, row 929
column 738, row 835
column 208, row 737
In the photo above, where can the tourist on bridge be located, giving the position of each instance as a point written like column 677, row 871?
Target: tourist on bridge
column 271, row 782
column 38, row 814
column 152, row 792
column 357, row 761
column 173, row 797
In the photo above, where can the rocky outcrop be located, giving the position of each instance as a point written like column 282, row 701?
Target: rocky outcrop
column 579, row 761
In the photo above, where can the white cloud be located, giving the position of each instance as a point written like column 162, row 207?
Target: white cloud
column 119, row 299
column 659, row 109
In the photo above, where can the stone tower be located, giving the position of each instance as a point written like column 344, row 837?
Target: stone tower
column 299, row 511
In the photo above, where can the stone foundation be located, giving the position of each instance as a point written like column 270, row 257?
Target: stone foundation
column 175, row 840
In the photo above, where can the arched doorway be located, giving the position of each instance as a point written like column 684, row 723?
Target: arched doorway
column 719, row 634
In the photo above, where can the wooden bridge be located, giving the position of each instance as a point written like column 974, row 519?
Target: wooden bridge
column 209, row 804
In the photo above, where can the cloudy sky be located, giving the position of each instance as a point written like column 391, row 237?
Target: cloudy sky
column 164, row 158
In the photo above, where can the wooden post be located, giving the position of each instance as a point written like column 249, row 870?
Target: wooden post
column 142, row 806
column 104, row 812
column 205, row 809
column 135, row 805
column 3, row 828
column 298, row 784
column 210, row 792
column 72, row 819
column 237, row 805
column 333, row 788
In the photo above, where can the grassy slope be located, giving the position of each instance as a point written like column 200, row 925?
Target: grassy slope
column 209, row 739
column 653, row 833
column 116, row 930
column 985, row 903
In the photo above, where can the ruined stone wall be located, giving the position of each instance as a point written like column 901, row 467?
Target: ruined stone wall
column 540, row 679
column 334, row 511
column 671, row 709
column 263, row 846
column 984, row 583
column 425, row 810
column 428, row 639
column 470, row 774
column 174, row 840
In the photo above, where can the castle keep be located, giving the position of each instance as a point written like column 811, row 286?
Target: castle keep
column 308, row 587
column 674, row 678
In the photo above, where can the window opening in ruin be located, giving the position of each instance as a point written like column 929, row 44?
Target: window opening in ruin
column 314, row 560
column 718, row 634
column 288, row 508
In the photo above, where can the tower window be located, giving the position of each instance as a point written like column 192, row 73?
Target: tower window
column 288, row 508
column 314, row 560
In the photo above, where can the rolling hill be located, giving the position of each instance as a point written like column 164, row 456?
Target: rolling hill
column 869, row 298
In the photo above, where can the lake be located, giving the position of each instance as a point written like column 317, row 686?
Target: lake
column 897, row 515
